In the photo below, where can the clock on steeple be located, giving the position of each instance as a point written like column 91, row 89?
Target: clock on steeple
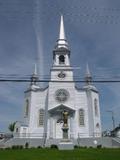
column 61, row 75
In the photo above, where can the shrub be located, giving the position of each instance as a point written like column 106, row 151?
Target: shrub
column 17, row 147
column 81, row 147
column 13, row 147
column 47, row 147
column 99, row 146
column 7, row 148
column 21, row 147
column 84, row 147
column 76, row 147
column 32, row 147
column 91, row 147
column 26, row 145
column 39, row 147
column 54, row 146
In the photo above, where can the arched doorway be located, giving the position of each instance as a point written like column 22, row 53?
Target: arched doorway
column 56, row 115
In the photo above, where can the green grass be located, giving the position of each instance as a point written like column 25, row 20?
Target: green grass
column 53, row 154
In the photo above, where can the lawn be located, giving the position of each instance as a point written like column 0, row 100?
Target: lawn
column 54, row 154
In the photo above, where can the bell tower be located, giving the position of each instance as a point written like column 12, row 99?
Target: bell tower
column 61, row 69
column 61, row 53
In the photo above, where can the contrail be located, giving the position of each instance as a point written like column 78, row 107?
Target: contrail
column 37, row 23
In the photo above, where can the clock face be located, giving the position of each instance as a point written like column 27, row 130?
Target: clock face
column 61, row 75
column 61, row 95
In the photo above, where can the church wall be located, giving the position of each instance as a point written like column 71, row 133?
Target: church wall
column 37, row 102
column 26, row 118
column 68, row 74
column 81, row 103
column 53, row 87
column 90, row 112
column 97, row 120
column 93, row 120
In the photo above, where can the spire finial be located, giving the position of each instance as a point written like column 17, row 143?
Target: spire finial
column 88, row 77
column 62, row 30
column 34, row 77
column 35, row 69
column 62, row 42
column 88, row 74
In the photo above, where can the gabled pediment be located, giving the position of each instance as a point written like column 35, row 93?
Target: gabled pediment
column 61, row 108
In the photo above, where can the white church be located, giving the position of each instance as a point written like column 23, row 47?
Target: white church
column 61, row 110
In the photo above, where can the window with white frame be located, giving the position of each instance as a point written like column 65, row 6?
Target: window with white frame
column 41, row 117
column 81, row 117
column 97, row 125
column 96, row 106
column 27, row 107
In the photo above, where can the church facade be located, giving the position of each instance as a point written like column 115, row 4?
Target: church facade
column 61, row 110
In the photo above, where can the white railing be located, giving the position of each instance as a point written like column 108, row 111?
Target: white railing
column 44, row 135
column 29, row 135
column 85, row 135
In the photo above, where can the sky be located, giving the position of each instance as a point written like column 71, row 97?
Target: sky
column 28, row 33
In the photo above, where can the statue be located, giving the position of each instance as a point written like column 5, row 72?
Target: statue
column 65, row 118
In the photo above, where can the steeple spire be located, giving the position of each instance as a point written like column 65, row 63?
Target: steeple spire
column 62, row 30
column 34, row 76
column 88, row 74
column 61, row 52
column 88, row 80
column 62, row 42
column 35, row 69
column 88, row 77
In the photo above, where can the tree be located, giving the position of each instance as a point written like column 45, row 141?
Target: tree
column 12, row 127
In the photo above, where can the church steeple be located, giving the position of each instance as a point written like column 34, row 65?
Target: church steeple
column 88, row 76
column 62, row 30
column 62, row 42
column 35, row 69
column 34, row 76
column 61, row 53
column 88, row 80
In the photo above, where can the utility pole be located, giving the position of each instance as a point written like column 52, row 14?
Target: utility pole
column 113, row 119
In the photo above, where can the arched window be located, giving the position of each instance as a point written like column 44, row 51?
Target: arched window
column 27, row 108
column 97, row 125
column 61, row 59
column 41, row 117
column 17, row 130
column 96, row 106
column 81, row 117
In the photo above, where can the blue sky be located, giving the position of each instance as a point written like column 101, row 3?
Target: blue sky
column 28, row 32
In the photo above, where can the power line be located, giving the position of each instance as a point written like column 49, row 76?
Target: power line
column 47, row 77
column 60, row 81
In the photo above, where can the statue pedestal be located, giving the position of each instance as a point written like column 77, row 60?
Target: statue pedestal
column 65, row 143
column 65, row 132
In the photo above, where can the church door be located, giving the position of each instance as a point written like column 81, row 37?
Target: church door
column 58, row 131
